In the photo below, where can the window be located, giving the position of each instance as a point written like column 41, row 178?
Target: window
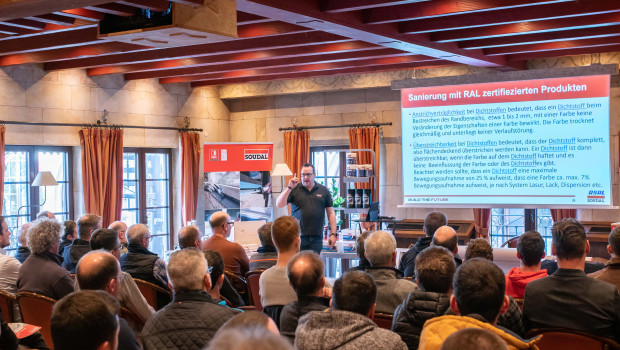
column 330, row 168
column 510, row 222
column 22, row 163
column 147, row 193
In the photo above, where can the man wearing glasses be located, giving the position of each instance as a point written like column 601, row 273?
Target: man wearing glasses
column 310, row 201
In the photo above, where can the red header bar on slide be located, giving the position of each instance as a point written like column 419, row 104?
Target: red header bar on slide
column 508, row 91
column 238, row 157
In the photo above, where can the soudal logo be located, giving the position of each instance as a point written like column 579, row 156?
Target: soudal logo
column 596, row 193
column 256, row 154
column 214, row 154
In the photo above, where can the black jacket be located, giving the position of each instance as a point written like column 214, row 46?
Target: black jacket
column 417, row 308
column 22, row 254
column 63, row 245
column 293, row 311
column 188, row 323
column 139, row 262
column 73, row 253
column 407, row 262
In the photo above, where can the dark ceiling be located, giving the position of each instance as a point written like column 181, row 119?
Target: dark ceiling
column 281, row 39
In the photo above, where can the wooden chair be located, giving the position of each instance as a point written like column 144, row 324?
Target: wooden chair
column 569, row 339
column 383, row 320
column 252, row 278
column 155, row 295
column 235, row 282
column 7, row 300
column 133, row 320
column 520, row 303
column 37, row 310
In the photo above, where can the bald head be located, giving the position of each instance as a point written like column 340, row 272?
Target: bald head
column 189, row 236
column 219, row 223
column 121, row 229
column 98, row 270
column 445, row 236
column 305, row 273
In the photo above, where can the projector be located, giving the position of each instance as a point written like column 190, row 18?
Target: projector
column 179, row 25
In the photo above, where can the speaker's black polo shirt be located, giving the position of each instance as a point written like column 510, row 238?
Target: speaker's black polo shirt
column 309, row 207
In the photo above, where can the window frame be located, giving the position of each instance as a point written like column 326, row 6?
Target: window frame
column 141, row 179
column 531, row 220
column 33, row 166
column 342, row 186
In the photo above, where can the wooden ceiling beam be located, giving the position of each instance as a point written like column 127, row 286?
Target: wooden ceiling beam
column 440, row 8
column 52, row 18
column 187, row 74
column 235, row 46
column 519, row 28
column 98, row 49
column 153, row 5
column 564, row 52
column 335, row 6
column 114, row 9
column 84, row 14
column 190, row 2
column 12, row 30
column 249, row 18
column 23, row 8
column 349, row 24
column 535, row 38
column 286, row 75
column 516, row 15
column 268, row 29
column 560, row 45
column 71, row 37
column 180, row 65
column 25, row 23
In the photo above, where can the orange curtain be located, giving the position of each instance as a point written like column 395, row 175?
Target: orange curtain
column 481, row 222
column 2, row 143
column 367, row 138
column 102, row 172
column 190, row 174
column 559, row 214
column 296, row 150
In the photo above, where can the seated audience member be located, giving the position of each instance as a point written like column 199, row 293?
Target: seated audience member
column 216, row 267
column 611, row 272
column 446, row 237
column 192, row 318
column 128, row 292
column 274, row 287
column 348, row 325
column 380, row 250
column 189, row 237
column 86, row 225
column 9, row 266
column 434, row 270
column 359, row 249
column 46, row 215
column 141, row 263
column 23, row 252
column 568, row 298
column 235, row 258
column 266, row 255
column 121, row 229
column 473, row 339
column 99, row 270
column 479, row 248
column 248, row 338
column 251, row 319
column 85, row 320
column 69, row 234
column 305, row 273
column 478, row 297
column 9, row 341
column 530, row 250
column 41, row 273
column 432, row 222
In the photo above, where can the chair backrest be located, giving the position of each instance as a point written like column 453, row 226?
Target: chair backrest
column 155, row 295
column 7, row 300
column 135, row 322
column 520, row 303
column 252, row 278
column 511, row 243
column 383, row 320
column 37, row 310
column 569, row 339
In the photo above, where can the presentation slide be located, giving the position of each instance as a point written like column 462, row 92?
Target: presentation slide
column 514, row 143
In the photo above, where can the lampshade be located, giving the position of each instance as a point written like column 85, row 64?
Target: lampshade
column 44, row 178
column 281, row 169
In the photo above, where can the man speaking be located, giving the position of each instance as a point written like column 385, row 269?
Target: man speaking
column 310, row 201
